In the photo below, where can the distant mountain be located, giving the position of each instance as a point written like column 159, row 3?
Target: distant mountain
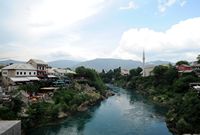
column 8, row 62
column 97, row 64
column 107, row 64
column 158, row 62
column 63, row 63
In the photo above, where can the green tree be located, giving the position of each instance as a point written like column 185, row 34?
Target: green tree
column 93, row 78
column 135, row 72
column 198, row 58
column 159, row 74
column 182, row 62
column 182, row 84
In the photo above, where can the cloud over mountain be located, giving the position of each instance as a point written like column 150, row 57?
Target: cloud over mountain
column 180, row 41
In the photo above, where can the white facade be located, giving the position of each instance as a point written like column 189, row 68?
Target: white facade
column 148, row 71
column 18, row 73
column 25, row 73
column 124, row 72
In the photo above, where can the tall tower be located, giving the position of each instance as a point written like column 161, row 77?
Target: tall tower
column 143, row 62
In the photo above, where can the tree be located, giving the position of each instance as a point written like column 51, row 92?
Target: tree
column 182, row 62
column 170, row 75
column 198, row 58
column 30, row 87
column 92, row 76
column 159, row 74
column 182, row 84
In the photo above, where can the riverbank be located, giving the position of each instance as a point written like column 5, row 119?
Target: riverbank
column 66, row 102
column 168, row 88
column 182, row 114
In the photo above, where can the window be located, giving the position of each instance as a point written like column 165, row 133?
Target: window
column 5, row 73
column 29, row 73
column 17, row 73
column 34, row 73
column 24, row 73
column 20, row 73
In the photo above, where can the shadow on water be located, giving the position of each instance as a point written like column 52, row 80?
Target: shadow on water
column 74, row 124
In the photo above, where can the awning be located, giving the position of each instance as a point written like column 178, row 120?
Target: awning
column 19, row 79
column 33, row 78
column 52, row 76
column 49, row 88
column 24, row 79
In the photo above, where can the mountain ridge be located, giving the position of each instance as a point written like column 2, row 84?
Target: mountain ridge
column 98, row 64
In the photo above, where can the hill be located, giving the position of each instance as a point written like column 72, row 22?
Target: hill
column 107, row 64
column 63, row 63
column 8, row 62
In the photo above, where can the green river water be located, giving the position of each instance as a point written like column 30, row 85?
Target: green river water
column 126, row 113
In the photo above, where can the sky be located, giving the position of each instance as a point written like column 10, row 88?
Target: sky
column 87, row 29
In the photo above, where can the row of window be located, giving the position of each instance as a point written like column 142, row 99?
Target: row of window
column 24, row 73
column 41, row 73
column 41, row 68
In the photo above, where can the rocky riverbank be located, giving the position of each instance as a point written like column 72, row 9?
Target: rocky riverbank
column 66, row 102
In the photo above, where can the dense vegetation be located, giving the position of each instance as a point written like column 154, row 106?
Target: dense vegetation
column 65, row 100
column 11, row 110
column 168, row 87
column 93, row 78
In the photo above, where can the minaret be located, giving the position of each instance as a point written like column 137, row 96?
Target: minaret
column 143, row 60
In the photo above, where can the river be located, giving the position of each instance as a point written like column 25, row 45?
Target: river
column 126, row 113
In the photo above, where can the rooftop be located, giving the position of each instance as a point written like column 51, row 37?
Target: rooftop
column 59, row 70
column 38, row 61
column 20, row 66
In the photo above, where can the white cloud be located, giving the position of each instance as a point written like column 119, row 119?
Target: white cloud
column 44, row 28
column 164, row 4
column 181, row 41
column 131, row 5
column 38, row 19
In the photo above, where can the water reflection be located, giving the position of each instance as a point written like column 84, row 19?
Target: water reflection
column 126, row 113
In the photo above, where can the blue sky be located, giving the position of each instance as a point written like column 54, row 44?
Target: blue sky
column 82, row 30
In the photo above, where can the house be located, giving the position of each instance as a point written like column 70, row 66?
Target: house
column 18, row 73
column 183, row 68
column 59, row 72
column 148, row 70
column 68, row 71
column 41, row 67
column 124, row 72
column 51, row 74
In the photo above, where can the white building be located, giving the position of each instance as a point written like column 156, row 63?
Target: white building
column 58, row 72
column 148, row 70
column 40, row 66
column 124, row 72
column 18, row 73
